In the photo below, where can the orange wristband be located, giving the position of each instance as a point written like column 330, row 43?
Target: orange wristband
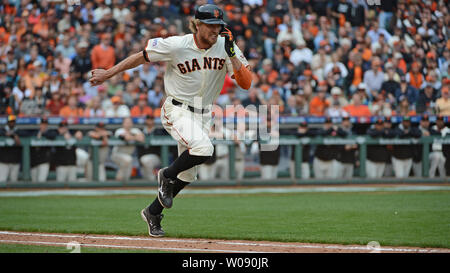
column 243, row 77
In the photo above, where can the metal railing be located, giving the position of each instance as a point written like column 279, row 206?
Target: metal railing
column 166, row 141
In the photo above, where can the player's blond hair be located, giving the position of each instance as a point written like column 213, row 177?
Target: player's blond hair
column 193, row 25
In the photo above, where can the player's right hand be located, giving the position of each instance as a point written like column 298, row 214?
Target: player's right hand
column 97, row 76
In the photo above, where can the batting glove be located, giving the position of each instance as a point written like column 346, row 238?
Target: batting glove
column 229, row 42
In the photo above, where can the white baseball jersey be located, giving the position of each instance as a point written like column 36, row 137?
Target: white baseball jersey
column 191, row 71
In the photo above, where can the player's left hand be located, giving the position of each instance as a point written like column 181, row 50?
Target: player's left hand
column 97, row 76
column 229, row 42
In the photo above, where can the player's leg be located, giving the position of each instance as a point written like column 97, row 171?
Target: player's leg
column 306, row 173
column 188, row 130
column 14, row 172
column 34, row 174
column 43, row 170
column 441, row 165
column 4, row 170
column 61, row 173
column 153, row 213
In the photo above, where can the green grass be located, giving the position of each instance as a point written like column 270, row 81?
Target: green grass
column 17, row 248
column 391, row 218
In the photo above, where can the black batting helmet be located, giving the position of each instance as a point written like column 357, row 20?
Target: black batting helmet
column 210, row 14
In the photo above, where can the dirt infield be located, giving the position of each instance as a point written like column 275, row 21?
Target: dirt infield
column 195, row 245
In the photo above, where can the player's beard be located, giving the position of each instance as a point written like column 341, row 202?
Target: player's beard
column 208, row 39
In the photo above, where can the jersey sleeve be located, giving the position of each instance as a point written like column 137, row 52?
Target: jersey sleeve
column 159, row 50
column 241, row 58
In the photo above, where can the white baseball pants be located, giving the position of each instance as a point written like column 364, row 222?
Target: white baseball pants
column 375, row 169
column 39, row 173
column 190, row 130
column 149, row 163
column 9, row 170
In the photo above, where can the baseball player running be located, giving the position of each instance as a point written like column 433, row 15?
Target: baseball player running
column 197, row 64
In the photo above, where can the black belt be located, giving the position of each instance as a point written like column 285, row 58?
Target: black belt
column 192, row 109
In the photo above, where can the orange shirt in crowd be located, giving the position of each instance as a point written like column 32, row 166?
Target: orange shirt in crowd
column 357, row 76
column 66, row 111
column 103, row 57
column 415, row 80
column 137, row 111
column 318, row 106
column 157, row 112
column 357, row 111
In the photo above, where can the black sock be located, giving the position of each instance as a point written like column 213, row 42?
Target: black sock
column 184, row 162
column 156, row 208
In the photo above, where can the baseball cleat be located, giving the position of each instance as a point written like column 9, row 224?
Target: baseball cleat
column 165, row 190
column 153, row 222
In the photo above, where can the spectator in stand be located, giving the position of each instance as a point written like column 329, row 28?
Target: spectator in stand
column 34, row 106
column 122, row 155
column 148, row 73
column 443, row 103
column 268, row 71
column 149, row 155
column 339, row 10
column 301, row 54
column 65, row 157
column 355, row 72
column 40, row 156
column 319, row 103
column 141, row 108
column 254, row 98
column 415, row 77
column 94, row 108
column 337, row 95
column 356, row 109
column 101, row 134
column 391, row 84
column 404, row 89
column 374, row 77
column 320, row 59
column 55, row 104
column 402, row 156
column 356, row 14
column 404, row 108
column 81, row 64
column 289, row 36
column 71, row 109
column 155, row 96
column 10, row 156
column 62, row 64
column 102, row 55
column 426, row 100
column 118, row 109
column 65, row 48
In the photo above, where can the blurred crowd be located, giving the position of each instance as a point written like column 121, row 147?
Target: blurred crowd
column 310, row 57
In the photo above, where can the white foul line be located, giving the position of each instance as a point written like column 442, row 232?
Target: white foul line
column 129, row 247
column 337, row 247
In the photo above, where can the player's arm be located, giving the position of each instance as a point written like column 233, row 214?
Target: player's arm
column 98, row 76
column 242, row 75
